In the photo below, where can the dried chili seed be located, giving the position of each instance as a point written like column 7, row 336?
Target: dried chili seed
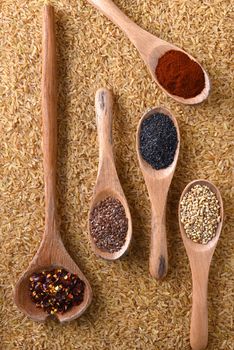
column 56, row 290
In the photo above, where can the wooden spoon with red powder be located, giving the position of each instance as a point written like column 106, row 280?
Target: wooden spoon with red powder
column 174, row 70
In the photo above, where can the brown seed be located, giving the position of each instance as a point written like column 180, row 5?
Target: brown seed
column 109, row 225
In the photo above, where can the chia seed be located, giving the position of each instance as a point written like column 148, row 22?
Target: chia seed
column 158, row 140
column 109, row 225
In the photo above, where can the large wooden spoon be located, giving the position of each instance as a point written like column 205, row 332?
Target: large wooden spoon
column 51, row 253
column 150, row 47
column 107, row 183
column 158, row 183
column 200, row 257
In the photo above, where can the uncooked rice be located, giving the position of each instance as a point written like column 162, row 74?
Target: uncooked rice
column 130, row 310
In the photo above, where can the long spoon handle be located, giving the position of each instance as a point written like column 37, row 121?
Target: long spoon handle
column 136, row 34
column 49, row 117
column 199, row 318
column 103, row 105
column 111, row 11
column 158, row 261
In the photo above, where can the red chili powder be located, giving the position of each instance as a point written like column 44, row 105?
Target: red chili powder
column 180, row 75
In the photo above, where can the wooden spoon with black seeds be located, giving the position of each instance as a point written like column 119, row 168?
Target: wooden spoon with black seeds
column 110, row 224
column 157, row 154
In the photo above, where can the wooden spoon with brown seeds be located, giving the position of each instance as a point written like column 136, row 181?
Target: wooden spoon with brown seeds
column 107, row 183
column 200, row 256
column 150, row 47
column 52, row 253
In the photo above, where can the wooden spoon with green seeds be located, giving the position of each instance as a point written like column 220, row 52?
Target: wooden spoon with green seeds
column 200, row 256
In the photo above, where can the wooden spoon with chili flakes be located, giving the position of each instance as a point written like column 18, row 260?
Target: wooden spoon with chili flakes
column 52, row 253
column 150, row 47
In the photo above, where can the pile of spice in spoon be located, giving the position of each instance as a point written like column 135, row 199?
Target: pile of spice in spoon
column 109, row 225
column 158, row 140
column 200, row 214
column 180, row 75
column 56, row 291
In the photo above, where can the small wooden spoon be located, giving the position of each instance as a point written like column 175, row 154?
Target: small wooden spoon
column 158, row 183
column 200, row 258
column 150, row 47
column 107, row 183
column 51, row 253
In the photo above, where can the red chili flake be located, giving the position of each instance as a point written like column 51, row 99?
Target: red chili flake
column 56, row 290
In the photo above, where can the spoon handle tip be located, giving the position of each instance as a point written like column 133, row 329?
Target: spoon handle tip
column 103, row 106
column 158, row 262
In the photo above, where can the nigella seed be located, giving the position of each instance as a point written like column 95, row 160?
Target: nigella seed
column 158, row 140
column 50, row 292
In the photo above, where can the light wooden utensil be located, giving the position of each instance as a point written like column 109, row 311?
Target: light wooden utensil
column 200, row 256
column 107, row 183
column 51, row 253
column 158, row 183
column 150, row 47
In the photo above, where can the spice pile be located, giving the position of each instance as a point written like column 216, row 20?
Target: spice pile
column 200, row 214
column 109, row 225
column 180, row 75
column 56, row 290
column 158, row 140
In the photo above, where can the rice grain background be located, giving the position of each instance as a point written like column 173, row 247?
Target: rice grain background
column 130, row 310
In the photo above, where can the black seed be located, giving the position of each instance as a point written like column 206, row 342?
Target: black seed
column 158, row 141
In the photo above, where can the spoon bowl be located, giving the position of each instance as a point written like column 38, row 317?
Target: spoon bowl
column 100, row 196
column 197, row 247
column 150, row 47
column 158, row 183
column 107, row 183
column 151, row 60
column 43, row 261
column 52, row 252
column 200, row 256
column 147, row 168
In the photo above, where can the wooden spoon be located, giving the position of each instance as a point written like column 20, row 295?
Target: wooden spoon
column 150, row 47
column 52, row 252
column 158, row 183
column 200, row 258
column 107, row 183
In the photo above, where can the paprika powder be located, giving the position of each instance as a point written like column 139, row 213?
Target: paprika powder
column 180, row 75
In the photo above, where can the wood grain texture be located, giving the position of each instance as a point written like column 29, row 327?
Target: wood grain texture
column 107, row 183
column 200, row 257
column 150, row 47
column 52, row 252
column 158, row 183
